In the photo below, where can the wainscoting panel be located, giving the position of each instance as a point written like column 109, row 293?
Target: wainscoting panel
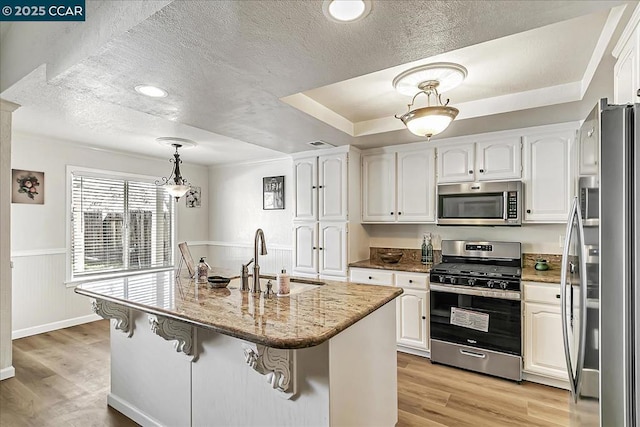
column 233, row 255
column 40, row 300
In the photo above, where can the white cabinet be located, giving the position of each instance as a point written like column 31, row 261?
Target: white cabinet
column 543, row 340
column 332, row 249
column 626, row 72
column 326, row 188
column 412, row 321
column 320, row 188
column 497, row 159
column 548, row 176
column 399, row 186
column 588, row 146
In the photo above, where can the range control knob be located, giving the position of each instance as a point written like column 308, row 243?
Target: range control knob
column 504, row 285
column 452, row 280
column 471, row 282
column 441, row 278
column 489, row 283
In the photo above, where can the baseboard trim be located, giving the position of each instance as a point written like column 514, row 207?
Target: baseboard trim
column 27, row 332
column 541, row 379
column 130, row 411
column 415, row 352
column 8, row 372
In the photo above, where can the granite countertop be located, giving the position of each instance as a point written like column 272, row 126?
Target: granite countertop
column 414, row 267
column 300, row 320
column 530, row 274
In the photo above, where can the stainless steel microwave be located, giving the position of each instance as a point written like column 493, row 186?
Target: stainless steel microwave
column 480, row 203
column 589, row 187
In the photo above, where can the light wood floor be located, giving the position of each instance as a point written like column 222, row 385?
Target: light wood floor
column 62, row 379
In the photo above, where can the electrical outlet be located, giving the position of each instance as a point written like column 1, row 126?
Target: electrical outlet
column 561, row 240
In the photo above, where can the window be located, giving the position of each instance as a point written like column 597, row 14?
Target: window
column 118, row 224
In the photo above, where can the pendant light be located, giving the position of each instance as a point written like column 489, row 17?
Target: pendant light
column 176, row 185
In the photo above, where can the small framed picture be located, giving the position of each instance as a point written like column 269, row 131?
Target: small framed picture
column 27, row 187
column 273, row 192
column 194, row 197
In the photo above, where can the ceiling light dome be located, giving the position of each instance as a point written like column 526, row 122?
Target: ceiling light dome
column 152, row 91
column 432, row 119
column 346, row 10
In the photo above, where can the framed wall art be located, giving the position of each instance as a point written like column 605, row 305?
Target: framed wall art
column 273, row 192
column 27, row 187
column 194, row 197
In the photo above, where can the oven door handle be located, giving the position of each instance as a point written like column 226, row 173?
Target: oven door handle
column 480, row 292
column 473, row 354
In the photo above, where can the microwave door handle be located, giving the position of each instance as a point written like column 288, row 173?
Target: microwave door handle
column 563, row 298
column 505, row 204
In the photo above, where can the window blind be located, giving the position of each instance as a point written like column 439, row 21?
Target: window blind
column 119, row 225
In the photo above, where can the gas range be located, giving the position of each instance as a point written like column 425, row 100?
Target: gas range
column 492, row 265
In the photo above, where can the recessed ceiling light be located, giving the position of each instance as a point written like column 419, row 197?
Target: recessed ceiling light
column 152, row 91
column 346, row 10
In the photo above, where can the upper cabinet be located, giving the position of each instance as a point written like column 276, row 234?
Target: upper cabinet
column 626, row 72
column 548, row 183
column 320, row 187
column 480, row 161
column 588, row 145
column 399, row 186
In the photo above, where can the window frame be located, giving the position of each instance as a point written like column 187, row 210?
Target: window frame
column 103, row 173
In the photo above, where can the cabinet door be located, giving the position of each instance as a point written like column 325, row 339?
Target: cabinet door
column 588, row 148
column 416, row 187
column 412, row 320
column 455, row 163
column 305, row 244
column 305, row 182
column 378, row 193
column 625, row 73
column 548, row 188
column 332, row 249
column 543, row 343
column 332, row 187
column 500, row 159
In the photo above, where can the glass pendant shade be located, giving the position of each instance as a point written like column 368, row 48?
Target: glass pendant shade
column 429, row 121
column 177, row 191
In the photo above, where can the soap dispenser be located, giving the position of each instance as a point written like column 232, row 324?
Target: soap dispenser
column 282, row 283
column 203, row 271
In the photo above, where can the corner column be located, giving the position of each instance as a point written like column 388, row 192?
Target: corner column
column 6, row 355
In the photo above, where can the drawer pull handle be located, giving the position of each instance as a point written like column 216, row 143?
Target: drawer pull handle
column 469, row 353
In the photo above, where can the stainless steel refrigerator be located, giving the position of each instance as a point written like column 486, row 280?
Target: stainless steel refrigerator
column 600, row 294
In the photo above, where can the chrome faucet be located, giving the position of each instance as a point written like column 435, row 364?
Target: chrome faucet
column 256, row 267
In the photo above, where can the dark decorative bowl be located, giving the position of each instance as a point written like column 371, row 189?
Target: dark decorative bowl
column 390, row 257
column 218, row 281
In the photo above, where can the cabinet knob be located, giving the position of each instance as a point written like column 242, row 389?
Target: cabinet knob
column 528, row 210
column 320, row 186
column 399, row 213
column 558, row 296
column 320, row 248
column 313, row 187
column 481, row 170
column 391, row 213
column 424, row 317
column 370, row 277
column 470, row 172
column 410, row 281
column 314, row 248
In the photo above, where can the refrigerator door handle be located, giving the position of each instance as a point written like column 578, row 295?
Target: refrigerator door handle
column 563, row 298
column 582, row 319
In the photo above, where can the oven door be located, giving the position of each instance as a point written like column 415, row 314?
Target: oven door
column 480, row 318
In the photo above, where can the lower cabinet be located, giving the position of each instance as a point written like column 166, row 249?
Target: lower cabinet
column 542, row 334
column 412, row 307
column 412, row 319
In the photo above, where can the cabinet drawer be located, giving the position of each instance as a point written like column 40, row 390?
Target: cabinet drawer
column 416, row 281
column 372, row 277
column 547, row 293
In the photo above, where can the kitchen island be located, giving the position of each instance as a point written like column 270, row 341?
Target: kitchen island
column 186, row 354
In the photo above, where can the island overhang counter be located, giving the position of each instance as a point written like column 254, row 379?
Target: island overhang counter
column 324, row 355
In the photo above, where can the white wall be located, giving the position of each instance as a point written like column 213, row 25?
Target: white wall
column 236, row 212
column 41, row 300
column 538, row 238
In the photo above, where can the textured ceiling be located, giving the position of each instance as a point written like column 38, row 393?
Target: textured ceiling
column 226, row 64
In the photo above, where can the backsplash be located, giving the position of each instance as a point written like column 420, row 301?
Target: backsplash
column 409, row 256
column 554, row 260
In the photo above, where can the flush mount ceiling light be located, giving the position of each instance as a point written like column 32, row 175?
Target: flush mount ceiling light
column 176, row 185
column 430, row 79
column 346, row 10
column 152, row 91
